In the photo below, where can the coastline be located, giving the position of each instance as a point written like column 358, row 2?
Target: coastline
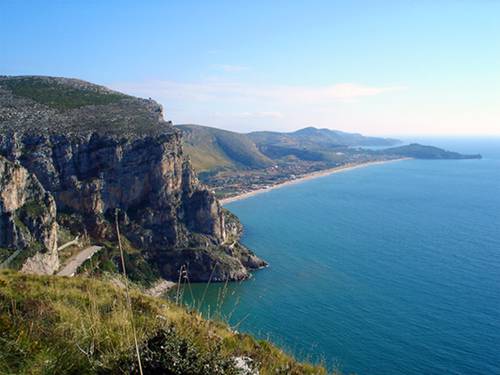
column 306, row 177
column 160, row 288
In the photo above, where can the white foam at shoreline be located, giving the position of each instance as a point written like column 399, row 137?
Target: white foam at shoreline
column 306, row 177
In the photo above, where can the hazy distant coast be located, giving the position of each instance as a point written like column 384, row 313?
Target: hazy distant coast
column 309, row 176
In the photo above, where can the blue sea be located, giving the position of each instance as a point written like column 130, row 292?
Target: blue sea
column 388, row 269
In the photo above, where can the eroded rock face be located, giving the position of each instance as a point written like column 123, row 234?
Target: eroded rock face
column 145, row 178
column 121, row 156
column 27, row 218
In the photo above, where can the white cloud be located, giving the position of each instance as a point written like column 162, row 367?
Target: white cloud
column 216, row 90
column 246, row 106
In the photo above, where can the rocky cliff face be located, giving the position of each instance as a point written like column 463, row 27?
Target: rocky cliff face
column 99, row 152
column 27, row 219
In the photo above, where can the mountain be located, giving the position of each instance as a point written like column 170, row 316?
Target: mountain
column 418, row 151
column 89, row 154
column 312, row 144
column 311, row 136
column 212, row 148
column 232, row 163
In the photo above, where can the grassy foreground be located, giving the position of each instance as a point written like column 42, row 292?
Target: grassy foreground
column 57, row 325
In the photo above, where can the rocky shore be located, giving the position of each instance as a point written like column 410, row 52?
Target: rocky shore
column 160, row 288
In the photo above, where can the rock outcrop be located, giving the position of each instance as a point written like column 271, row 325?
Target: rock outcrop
column 27, row 219
column 99, row 152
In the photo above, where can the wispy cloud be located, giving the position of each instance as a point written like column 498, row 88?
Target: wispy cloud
column 220, row 90
column 247, row 106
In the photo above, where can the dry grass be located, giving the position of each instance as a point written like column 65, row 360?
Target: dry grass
column 51, row 325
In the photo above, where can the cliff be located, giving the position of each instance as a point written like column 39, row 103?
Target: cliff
column 27, row 220
column 98, row 152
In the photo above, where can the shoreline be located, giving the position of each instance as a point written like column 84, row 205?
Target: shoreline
column 306, row 177
column 160, row 287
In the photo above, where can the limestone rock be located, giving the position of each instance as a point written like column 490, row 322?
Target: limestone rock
column 98, row 151
column 27, row 218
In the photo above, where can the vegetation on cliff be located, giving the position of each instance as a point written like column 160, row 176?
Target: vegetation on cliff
column 69, row 107
column 57, row 325
column 28, row 227
column 61, row 96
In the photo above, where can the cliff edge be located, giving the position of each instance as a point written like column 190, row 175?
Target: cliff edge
column 97, row 152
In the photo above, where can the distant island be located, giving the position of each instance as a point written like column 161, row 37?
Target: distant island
column 232, row 164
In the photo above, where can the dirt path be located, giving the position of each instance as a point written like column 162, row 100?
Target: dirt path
column 77, row 260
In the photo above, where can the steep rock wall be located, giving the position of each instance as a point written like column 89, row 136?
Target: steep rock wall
column 119, row 157
column 27, row 219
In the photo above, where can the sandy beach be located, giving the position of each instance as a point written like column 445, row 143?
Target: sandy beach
column 310, row 176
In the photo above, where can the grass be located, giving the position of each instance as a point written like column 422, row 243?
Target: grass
column 139, row 270
column 57, row 325
column 59, row 96
column 211, row 149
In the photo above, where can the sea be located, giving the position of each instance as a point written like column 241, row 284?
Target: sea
column 387, row 269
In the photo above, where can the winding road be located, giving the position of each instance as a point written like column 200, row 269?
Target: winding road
column 77, row 260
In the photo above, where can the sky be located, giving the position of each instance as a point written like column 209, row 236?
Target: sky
column 400, row 67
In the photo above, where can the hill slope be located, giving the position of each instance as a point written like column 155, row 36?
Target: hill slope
column 419, row 151
column 57, row 105
column 57, row 325
column 232, row 163
column 212, row 148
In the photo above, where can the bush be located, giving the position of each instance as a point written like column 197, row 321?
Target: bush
column 168, row 353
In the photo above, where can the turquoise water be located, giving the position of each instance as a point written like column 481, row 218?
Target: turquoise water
column 389, row 269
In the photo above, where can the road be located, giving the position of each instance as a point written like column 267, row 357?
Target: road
column 77, row 260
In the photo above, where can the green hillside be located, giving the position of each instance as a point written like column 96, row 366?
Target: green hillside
column 211, row 148
column 312, row 144
column 58, row 325
column 419, row 151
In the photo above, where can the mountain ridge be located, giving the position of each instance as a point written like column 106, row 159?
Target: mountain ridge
column 287, row 155
column 212, row 149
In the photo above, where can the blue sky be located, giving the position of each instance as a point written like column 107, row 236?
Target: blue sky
column 377, row 67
